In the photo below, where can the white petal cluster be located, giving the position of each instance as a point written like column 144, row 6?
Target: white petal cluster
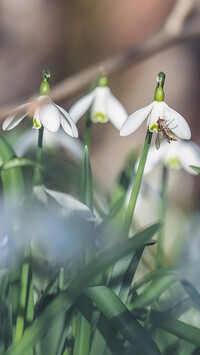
column 45, row 113
column 104, row 107
column 174, row 121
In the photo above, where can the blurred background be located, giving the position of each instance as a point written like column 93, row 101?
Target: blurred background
column 67, row 36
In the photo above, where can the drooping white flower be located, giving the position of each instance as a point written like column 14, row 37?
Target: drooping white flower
column 160, row 117
column 177, row 155
column 45, row 113
column 104, row 106
column 71, row 206
column 28, row 140
column 157, row 109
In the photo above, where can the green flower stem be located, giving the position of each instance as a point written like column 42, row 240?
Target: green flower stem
column 136, row 186
column 88, row 130
column 37, row 178
column 162, row 213
column 84, row 318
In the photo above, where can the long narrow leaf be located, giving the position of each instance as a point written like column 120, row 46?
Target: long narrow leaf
column 67, row 298
column 162, row 320
column 86, row 180
column 119, row 315
column 192, row 292
column 12, row 179
column 154, row 290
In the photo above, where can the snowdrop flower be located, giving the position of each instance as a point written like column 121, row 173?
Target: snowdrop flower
column 44, row 112
column 178, row 155
column 172, row 124
column 28, row 140
column 104, row 106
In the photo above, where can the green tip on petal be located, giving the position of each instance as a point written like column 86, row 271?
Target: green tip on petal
column 173, row 163
column 154, row 127
column 99, row 117
column 103, row 81
column 36, row 124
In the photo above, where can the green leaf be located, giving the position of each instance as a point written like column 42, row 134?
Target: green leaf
column 12, row 179
column 195, row 168
column 68, row 297
column 119, row 315
column 113, row 212
column 154, row 290
column 83, row 323
column 18, row 162
column 86, row 181
column 192, row 292
column 120, row 283
column 83, row 327
column 162, row 320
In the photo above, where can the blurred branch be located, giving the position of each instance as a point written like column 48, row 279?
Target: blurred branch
column 156, row 43
column 177, row 17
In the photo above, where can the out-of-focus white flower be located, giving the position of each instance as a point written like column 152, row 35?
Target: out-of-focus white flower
column 104, row 106
column 173, row 120
column 28, row 140
column 71, row 206
column 45, row 113
column 177, row 155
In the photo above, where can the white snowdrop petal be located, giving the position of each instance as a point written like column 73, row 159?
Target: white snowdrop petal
column 99, row 107
column 135, row 120
column 156, row 113
column 40, row 194
column 81, row 106
column 72, row 204
column 67, row 128
column 115, row 111
column 74, row 146
column 50, row 117
column 13, row 121
column 67, row 122
column 177, row 123
column 189, row 154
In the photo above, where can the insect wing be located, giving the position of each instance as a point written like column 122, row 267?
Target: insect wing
column 157, row 142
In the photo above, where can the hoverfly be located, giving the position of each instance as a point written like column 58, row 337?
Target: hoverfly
column 166, row 132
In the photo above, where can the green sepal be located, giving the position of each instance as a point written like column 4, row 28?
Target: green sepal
column 159, row 94
column 44, row 87
column 103, row 81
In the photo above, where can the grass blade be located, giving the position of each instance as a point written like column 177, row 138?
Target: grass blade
column 119, row 315
column 86, row 181
column 163, row 321
column 68, row 297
